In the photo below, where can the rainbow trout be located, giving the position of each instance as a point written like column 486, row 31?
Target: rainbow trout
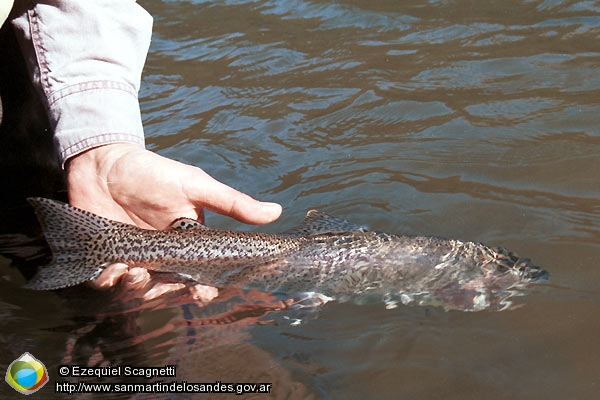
column 325, row 255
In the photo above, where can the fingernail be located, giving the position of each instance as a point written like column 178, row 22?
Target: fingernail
column 273, row 210
column 272, row 206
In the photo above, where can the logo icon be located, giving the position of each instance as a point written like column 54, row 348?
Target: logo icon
column 26, row 374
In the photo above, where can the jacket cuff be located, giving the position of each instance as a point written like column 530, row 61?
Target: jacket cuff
column 91, row 114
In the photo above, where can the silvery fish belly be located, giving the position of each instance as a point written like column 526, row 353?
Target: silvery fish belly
column 370, row 266
column 326, row 256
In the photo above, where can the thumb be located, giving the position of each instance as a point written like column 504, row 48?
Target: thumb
column 215, row 196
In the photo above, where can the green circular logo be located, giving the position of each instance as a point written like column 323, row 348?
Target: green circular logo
column 26, row 374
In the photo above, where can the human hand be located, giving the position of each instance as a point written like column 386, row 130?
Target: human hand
column 127, row 183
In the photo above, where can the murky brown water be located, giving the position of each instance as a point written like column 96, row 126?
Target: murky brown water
column 465, row 119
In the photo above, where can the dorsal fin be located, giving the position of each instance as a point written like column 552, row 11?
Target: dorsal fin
column 186, row 223
column 317, row 222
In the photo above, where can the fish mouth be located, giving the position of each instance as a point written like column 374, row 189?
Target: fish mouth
column 531, row 272
column 522, row 267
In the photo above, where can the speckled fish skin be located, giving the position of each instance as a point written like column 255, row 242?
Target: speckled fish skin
column 325, row 255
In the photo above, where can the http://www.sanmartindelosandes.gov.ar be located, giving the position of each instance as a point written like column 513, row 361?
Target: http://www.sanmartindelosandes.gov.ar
column 26, row 374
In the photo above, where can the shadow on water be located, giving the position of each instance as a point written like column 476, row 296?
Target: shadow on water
column 28, row 160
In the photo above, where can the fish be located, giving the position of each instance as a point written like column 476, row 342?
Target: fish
column 325, row 257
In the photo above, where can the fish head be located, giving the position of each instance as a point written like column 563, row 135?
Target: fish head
column 504, row 275
column 503, row 263
column 530, row 272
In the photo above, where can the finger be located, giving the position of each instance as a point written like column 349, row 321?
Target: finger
column 203, row 293
column 215, row 196
column 161, row 288
column 109, row 276
column 136, row 278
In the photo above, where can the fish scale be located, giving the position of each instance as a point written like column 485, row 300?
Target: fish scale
column 325, row 255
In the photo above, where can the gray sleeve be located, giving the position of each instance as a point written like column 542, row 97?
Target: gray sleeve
column 86, row 58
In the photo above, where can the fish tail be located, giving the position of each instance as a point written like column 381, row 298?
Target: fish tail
column 72, row 235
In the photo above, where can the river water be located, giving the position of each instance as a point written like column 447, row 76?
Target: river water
column 464, row 119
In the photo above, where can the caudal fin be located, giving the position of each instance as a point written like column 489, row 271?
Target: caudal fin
column 72, row 235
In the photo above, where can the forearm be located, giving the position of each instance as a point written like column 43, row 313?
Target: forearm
column 86, row 58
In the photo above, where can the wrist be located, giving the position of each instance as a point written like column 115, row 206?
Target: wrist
column 88, row 172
